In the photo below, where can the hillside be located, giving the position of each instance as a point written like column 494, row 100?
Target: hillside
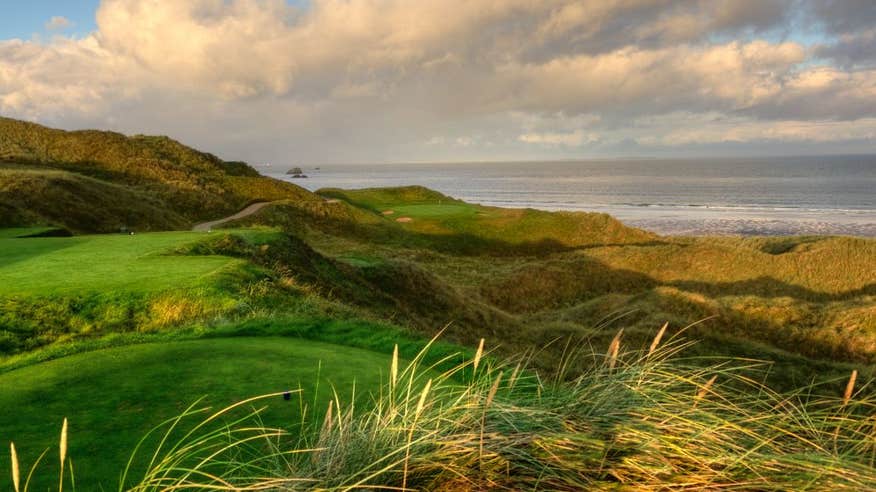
column 747, row 385
column 528, row 278
column 96, row 181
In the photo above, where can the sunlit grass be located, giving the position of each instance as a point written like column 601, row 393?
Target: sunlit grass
column 637, row 420
column 39, row 266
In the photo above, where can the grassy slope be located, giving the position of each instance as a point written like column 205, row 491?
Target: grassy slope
column 92, row 181
column 522, row 277
column 58, row 289
column 34, row 195
column 113, row 397
column 808, row 303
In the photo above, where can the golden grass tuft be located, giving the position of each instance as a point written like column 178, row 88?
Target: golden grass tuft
column 614, row 349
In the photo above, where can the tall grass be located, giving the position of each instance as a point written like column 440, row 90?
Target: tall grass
column 643, row 420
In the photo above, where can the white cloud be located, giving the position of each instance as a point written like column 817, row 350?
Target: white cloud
column 375, row 79
column 790, row 131
column 573, row 139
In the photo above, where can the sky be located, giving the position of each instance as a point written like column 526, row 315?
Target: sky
column 367, row 81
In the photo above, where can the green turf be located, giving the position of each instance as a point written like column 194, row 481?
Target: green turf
column 109, row 263
column 14, row 232
column 113, row 397
column 435, row 211
column 459, row 226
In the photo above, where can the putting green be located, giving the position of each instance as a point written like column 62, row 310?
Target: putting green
column 112, row 397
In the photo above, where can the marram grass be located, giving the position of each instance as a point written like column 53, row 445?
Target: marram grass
column 640, row 420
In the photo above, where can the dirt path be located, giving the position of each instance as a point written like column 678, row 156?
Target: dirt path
column 255, row 207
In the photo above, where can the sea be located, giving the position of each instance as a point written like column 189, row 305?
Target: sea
column 715, row 196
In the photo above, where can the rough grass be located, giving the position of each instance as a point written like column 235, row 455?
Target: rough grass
column 79, row 203
column 93, row 181
column 640, row 420
column 112, row 397
column 809, row 302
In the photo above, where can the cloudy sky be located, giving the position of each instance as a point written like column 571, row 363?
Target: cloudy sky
column 317, row 81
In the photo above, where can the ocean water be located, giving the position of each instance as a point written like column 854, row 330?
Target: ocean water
column 748, row 196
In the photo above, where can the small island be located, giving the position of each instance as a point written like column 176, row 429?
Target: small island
column 296, row 172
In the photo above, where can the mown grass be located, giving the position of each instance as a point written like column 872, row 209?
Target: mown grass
column 434, row 211
column 17, row 232
column 112, row 397
column 105, row 263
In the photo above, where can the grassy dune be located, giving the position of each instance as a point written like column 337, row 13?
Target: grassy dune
column 806, row 303
column 93, row 181
column 32, row 195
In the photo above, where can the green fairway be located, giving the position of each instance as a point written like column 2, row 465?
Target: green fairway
column 102, row 263
column 434, row 211
column 113, row 397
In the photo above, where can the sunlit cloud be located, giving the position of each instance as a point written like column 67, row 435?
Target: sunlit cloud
column 378, row 80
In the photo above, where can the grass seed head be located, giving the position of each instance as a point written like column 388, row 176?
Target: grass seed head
column 16, row 473
column 63, row 453
column 394, row 369
column 479, row 354
column 493, row 390
column 850, row 387
column 705, row 389
column 422, row 403
column 656, row 342
column 63, row 444
column 329, row 418
column 614, row 349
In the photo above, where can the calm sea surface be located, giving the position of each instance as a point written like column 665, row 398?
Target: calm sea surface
column 787, row 195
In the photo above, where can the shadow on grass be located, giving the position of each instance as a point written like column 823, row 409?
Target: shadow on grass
column 769, row 287
column 16, row 250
